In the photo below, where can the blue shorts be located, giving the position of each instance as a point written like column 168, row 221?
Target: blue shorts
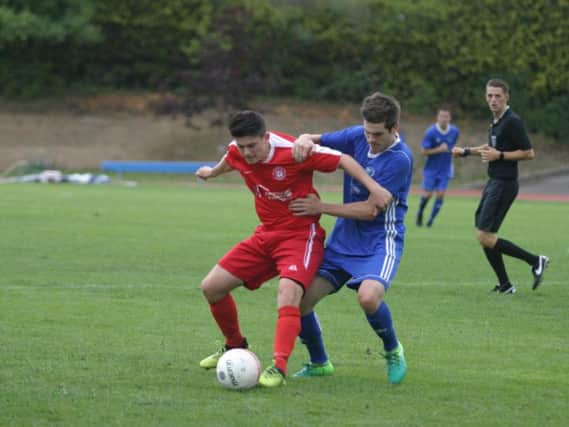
column 435, row 182
column 352, row 270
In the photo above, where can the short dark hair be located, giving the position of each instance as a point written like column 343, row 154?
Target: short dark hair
column 499, row 83
column 247, row 123
column 444, row 107
column 381, row 108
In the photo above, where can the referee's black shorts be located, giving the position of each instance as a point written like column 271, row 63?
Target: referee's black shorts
column 497, row 197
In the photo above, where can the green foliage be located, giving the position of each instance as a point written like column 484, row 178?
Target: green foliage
column 145, row 41
column 38, row 42
column 52, row 21
column 424, row 52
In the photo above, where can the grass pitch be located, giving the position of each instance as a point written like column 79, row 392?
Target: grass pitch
column 102, row 322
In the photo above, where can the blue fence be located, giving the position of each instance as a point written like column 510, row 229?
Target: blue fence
column 142, row 166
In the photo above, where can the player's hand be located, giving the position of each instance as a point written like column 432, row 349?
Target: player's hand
column 204, row 172
column 380, row 197
column 302, row 148
column 309, row 205
column 457, row 152
column 489, row 154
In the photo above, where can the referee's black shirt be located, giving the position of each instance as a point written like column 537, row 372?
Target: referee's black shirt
column 507, row 134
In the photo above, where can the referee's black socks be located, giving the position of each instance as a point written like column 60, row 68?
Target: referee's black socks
column 510, row 249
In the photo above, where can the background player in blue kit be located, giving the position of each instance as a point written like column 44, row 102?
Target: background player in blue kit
column 365, row 246
column 438, row 142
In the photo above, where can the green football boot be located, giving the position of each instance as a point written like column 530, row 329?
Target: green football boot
column 210, row 362
column 272, row 377
column 396, row 364
column 315, row 370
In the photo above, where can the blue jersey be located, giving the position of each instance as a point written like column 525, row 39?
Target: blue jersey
column 392, row 169
column 440, row 164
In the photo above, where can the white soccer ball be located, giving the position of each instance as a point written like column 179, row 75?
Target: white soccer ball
column 238, row 369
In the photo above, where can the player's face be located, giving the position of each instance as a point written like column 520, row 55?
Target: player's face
column 497, row 99
column 253, row 148
column 378, row 137
column 443, row 119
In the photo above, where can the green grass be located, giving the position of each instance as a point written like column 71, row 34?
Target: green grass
column 102, row 322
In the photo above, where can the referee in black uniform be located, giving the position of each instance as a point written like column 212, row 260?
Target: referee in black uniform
column 508, row 143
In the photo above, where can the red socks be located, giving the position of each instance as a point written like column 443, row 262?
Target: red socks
column 225, row 314
column 288, row 328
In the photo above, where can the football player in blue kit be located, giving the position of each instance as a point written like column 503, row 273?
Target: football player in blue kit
column 366, row 245
column 437, row 145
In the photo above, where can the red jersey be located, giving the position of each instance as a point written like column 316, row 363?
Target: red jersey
column 279, row 179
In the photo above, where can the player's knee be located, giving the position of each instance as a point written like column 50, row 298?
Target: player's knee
column 210, row 290
column 486, row 240
column 289, row 293
column 369, row 301
column 306, row 306
column 206, row 288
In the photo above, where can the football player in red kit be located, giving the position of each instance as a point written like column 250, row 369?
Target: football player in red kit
column 283, row 245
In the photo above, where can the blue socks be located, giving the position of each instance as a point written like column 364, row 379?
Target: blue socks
column 436, row 208
column 382, row 324
column 311, row 336
column 422, row 203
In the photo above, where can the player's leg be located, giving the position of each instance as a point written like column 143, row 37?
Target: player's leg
column 428, row 186
column 217, row 287
column 311, row 332
column 297, row 257
column 372, row 276
column 425, row 197
column 371, row 299
column 496, row 200
column 538, row 263
column 287, row 329
column 245, row 264
column 439, row 199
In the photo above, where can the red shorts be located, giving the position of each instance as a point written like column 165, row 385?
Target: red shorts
column 291, row 254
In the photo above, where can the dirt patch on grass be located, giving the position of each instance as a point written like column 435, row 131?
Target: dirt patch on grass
column 81, row 133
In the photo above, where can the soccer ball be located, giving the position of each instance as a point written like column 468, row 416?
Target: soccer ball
column 238, row 369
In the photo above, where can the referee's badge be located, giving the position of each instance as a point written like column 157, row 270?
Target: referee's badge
column 493, row 141
column 279, row 173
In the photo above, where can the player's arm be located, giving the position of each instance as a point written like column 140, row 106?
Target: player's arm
column 524, row 149
column 312, row 205
column 490, row 154
column 467, row 151
column 206, row 172
column 443, row 148
column 304, row 145
column 379, row 196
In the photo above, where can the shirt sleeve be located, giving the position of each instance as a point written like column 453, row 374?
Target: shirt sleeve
column 323, row 159
column 341, row 140
column 232, row 156
column 428, row 140
column 519, row 135
column 396, row 174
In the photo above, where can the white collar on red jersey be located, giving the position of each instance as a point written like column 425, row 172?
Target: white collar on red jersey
column 274, row 142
